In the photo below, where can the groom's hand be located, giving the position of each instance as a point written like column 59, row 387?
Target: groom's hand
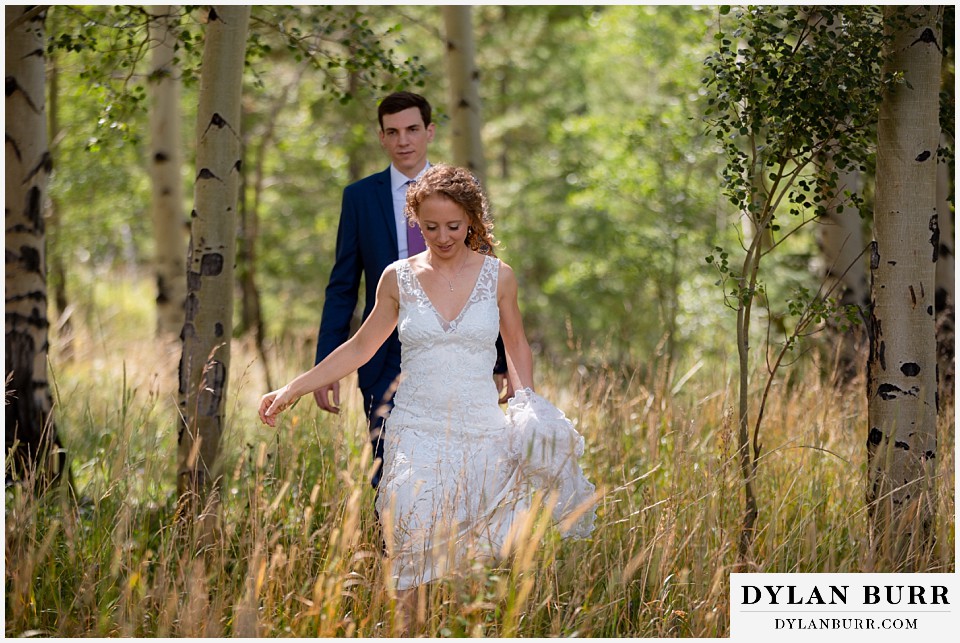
column 322, row 396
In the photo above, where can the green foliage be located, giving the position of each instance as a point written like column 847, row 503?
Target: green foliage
column 337, row 41
column 786, row 87
column 602, row 214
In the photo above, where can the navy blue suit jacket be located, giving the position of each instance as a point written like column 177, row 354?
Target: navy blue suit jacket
column 366, row 244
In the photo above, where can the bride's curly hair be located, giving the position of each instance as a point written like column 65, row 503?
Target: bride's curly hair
column 462, row 187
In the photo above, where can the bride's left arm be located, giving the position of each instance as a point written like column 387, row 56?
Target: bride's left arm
column 519, row 355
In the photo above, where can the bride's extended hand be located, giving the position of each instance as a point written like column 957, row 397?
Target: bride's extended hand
column 274, row 403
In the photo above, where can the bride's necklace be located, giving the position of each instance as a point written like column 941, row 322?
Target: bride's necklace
column 457, row 274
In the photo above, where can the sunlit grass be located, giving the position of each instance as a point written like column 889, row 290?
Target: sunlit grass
column 298, row 550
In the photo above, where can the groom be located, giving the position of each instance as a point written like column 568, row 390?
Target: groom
column 374, row 233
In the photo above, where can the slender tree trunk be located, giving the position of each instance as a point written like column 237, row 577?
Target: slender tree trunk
column 57, row 277
column 31, row 438
column 902, row 381
column 841, row 241
column 464, row 90
column 208, row 323
column 354, row 148
column 165, row 163
column 250, row 308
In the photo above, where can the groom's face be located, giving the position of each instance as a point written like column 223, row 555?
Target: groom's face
column 405, row 138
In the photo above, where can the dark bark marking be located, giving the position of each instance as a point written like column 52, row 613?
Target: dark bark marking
column 211, row 393
column 12, row 87
column 892, row 263
column 193, row 281
column 930, row 310
column 38, row 296
column 901, row 445
column 211, row 264
column 213, row 15
column 910, row 369
column 207, row 174
column 892, row 391
column 161, row 157
column 30, row 259
column 16, row 148
column 875, row 437
column 35, row 209
column 934, row 226
column 882, row 355
column 927, row 37
column 475, row 75
column 874, row 255
column 936, row 375
column 922, row 156
column 165, row 192
column 238, row 165
column 191, row 306
column 36, row 52
column 193, row 214
column 19, row 227
column 33, row 320
column 218, row 329
column 182, row 387
column 929, row 455
column 463, row 104
column 219, row 122
column 45, row 163
column 913, row 297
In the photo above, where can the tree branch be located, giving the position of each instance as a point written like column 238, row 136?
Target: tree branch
column 26, row 16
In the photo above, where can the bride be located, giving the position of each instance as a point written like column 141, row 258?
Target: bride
column 458, row 472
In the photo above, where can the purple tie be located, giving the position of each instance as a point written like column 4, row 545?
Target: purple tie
column 415, row 242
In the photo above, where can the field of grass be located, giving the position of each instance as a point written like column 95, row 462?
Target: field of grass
column 297, row 549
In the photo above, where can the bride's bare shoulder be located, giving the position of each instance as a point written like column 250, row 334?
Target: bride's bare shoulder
column 507, row 279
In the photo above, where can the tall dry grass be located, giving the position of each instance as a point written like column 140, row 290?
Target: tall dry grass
column 297, row 550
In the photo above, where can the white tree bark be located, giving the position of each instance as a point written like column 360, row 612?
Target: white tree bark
column 902, row 381
column 464, row 77
column 165, row 163
column 30, row 431
column 208, row 322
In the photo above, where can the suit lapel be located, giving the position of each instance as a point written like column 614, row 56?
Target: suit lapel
column 384, row 198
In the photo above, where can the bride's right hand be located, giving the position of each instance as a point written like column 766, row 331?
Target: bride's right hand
column 274, row 403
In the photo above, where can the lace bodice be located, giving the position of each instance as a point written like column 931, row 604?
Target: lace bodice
column 448, row 364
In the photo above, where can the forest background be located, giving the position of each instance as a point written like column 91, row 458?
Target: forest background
column 607, row 191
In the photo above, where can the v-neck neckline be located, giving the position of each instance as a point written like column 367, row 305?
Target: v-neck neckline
column 449, row 324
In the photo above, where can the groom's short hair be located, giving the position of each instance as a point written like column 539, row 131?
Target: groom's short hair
column 399, row 101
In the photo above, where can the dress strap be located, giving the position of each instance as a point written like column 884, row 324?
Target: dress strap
column 487, row 281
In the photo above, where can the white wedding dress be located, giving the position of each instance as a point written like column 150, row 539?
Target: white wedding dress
column 458, row 472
